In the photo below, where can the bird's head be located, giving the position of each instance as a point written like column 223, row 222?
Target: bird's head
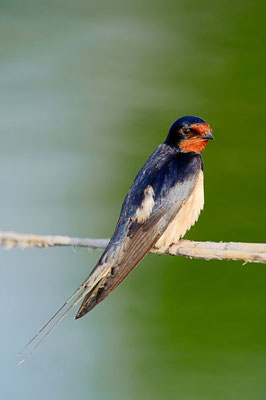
column 189, row 134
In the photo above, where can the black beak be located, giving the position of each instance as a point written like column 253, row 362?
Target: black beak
column 207, row 135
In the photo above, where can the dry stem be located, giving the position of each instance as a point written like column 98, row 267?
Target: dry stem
column 247, row 252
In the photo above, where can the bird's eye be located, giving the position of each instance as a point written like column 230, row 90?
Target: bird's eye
column 186, row 130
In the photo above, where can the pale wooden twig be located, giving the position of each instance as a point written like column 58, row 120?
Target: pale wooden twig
column 24, row 241
column 247, row 252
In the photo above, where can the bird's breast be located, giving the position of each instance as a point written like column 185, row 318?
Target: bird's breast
column 185, row 218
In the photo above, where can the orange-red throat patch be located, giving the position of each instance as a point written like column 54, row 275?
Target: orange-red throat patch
column 194, row 144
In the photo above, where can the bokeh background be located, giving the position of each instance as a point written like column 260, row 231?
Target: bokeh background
column 88, row 90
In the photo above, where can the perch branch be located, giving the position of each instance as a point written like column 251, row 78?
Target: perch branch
column 247, row 252
column 24, row 241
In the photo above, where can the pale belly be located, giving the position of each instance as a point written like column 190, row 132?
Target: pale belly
column 185, row 218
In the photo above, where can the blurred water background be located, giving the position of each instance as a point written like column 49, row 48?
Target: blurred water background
column 88, row 90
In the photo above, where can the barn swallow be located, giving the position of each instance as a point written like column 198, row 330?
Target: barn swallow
column 164, row 201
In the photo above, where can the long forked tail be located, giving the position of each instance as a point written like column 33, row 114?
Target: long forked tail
column 46, row 333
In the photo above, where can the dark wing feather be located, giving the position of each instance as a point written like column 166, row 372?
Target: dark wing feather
column 137, row 243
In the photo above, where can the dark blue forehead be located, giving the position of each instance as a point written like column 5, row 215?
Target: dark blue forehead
column 187, row 120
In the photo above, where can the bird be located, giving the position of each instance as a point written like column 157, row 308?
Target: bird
column 162, row 204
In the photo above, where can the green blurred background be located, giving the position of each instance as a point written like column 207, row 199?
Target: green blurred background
column 88, row 90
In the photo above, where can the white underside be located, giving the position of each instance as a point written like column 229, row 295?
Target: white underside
column 185, row 218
